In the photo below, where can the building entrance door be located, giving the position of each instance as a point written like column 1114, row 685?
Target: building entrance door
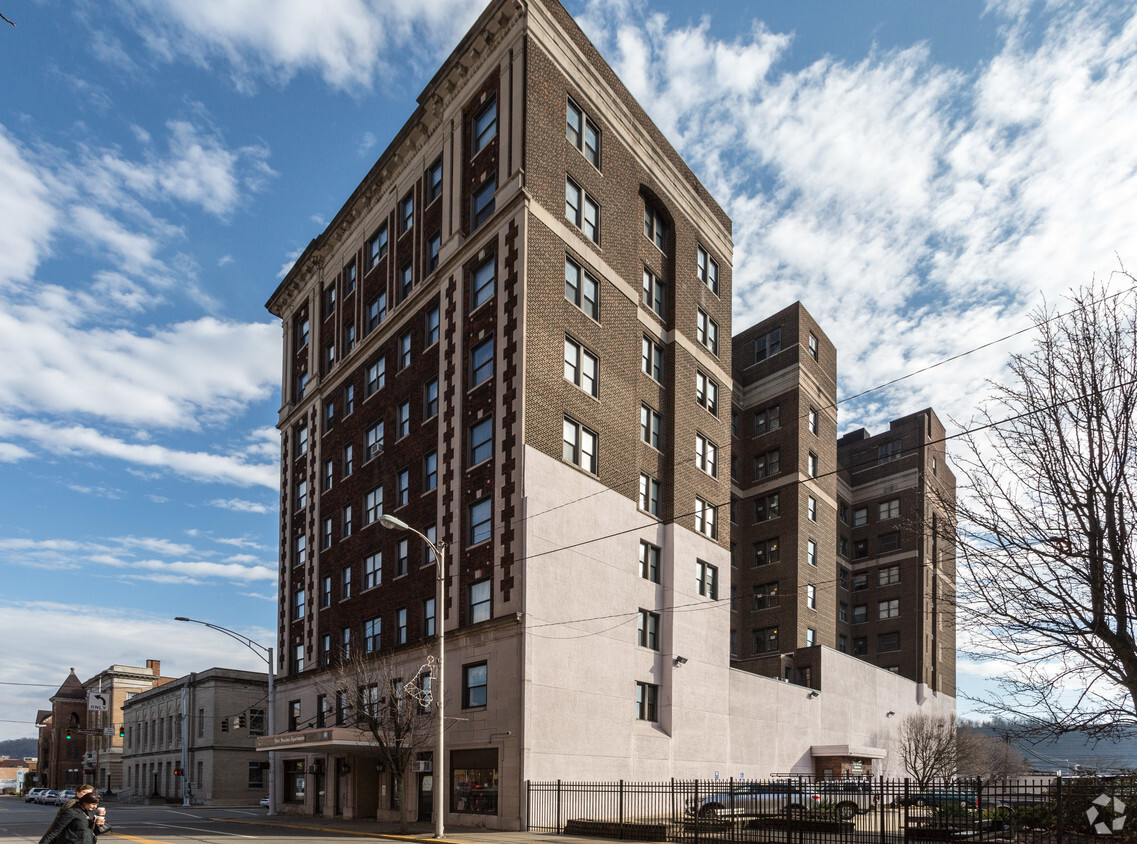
column 321, row 786
column 426, row 797
column 341, row 786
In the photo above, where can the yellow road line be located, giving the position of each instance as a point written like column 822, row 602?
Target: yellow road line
column 133, row 838
column 334, row 831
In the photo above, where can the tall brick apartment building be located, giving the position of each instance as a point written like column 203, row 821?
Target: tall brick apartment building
column 514, row 337
column 835, row 541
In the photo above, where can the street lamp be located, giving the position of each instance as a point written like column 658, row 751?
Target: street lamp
column 439, row 550
column 264, row 653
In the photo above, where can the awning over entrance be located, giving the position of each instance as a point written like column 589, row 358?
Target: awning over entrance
column 849, row 750
column 324, row 738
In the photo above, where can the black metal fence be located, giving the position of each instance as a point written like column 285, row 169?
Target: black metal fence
column 1041, row 810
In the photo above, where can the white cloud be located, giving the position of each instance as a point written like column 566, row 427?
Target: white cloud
column 154, row 545
column 27, row 216
column 11, row 453
column 238, row 505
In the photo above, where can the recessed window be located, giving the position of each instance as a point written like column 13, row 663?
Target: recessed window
column 482, row 283
column 582, row 210
column 481, row 441
column 301, row 495
column 766, row 640
column 653, row 292
column 886, row 642
column 474, row 685
column 301, row 435
column 349, row 277
column 484, row 125
column 860, row 645
column 298, row 605
column 888, row 575
column 402, row 556
column 766, row 551
column 579, row 446
column 373, row 505
column 652, row 359
column 765, row 596
column 649, row 495
column 888, row 509
column 348, row 338
column 811, row 596
column 860, row 549
column 374, row 437
column 430, row 471
column 329, row 474
column 766, row 420
column 401, row 626
column 767, row 345
column 706, row 518
column 372, row 642
column 810, row 637
column 377, row 247
column 889, row 542
column 655, row 227
column 707, row 332
column 434, row 181
column 372, row 570
column 811, row 508
column 405, row 350
column 406, row 212
column 432, row 323
column 648, row 630
column 329, row 300
column 707, row 580
column 582, row 133
column 707, row 392
column 303, row 332
column 708, row 270
column 404, row 419
column 428, row 617
column 812, row 346
column 766, row 507
column 433, row 250
column 811, row 552
column 651, row 425
column 888, row 452
column 860, row 516
column 347, row 522
column 406, row 280
column 375, row 377
column 326, row 535
column 812, row 464
column 888, row 609
column 481, row 362
column 814, row 422
column 767, row 464
column 582, row 289
column 402, row 487
column 482, row 202
column 860, row 613
column 647, row 702
column 480, row 521
column 348, row 399
column 480, row 601
column 581, row 366
column 649, row 561
column 706, row 455
column 430, row 399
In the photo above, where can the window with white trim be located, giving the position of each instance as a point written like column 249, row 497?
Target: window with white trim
column 706, row 518
column 579, row 445
column 581, row 366
column 708, row 270
column 706, row 455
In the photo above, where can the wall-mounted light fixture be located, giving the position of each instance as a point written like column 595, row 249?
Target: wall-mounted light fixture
column 680, row 660
column 889, row 714
column 814, row 694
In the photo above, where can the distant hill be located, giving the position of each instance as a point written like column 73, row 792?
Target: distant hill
column 1073, row 753
column 18, row 748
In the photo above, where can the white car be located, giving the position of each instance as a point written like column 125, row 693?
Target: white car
column 264, row 802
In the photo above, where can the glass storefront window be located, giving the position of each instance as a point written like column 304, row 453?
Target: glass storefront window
column 294, row 780
column 474, row 781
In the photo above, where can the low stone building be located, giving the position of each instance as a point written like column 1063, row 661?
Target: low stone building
column 111, row 689
column 196, row 737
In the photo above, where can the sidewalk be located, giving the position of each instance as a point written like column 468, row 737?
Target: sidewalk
column 416, row 831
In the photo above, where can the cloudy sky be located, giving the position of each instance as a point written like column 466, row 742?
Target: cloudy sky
column 920, row 175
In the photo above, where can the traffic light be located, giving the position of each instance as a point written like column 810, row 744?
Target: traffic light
column 241, row 722
column 122, row 731
column 177, row 772
column 68, row 735
column 224, row 725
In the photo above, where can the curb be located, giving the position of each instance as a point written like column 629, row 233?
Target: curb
column 391, row 836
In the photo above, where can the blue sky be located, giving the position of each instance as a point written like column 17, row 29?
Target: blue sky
column 919, row 174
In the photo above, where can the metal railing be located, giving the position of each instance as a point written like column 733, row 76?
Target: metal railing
column 1032, row 810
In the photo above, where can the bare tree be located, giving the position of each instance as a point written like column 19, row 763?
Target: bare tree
column 389, row 709
column 980, row 754
column 1046, row 517
column 926, row 746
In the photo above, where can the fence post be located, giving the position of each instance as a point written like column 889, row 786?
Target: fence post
column 697, row 816
column 558, row 807
column 528, row 802
column 1061, row 826
column 880, row 808
column 621, row 799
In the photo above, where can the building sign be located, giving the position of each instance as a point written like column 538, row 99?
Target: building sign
column 293, row 739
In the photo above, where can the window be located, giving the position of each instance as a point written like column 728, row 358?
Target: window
column 653, row 291
column 767, row 345
column 482, row 283
column 430, row 399
column 434, row 181
column 482, row 202
column 767, row 420
column 767, row 464
column 406, row 212
column 347, row 523
column 345, row 646
column 889, row 542
column 811, row 596
column 372, row 642
column 326, row 535
column 329, row 414
column 579, row 447
column 433, row 250
column 326, row 590
column 428, row 617
column 707, row 392
column 582, row 210
column 329, row 356
column 581, row 366
column 860, row 549
column 707, row 332
column 298, row 605
column 431, row 327
column 888, row 609
column 812, row 465
column 766, row 551
column 430, row 472
column 348, row 400
column 405, row 351
column 734, row 416
column 649, row 561
column 428, row 552
column 843, row 512
column 293, row 715
column 814, row 426
column 582, row 289
column 374, row 440
column 888, row 509
column 372, row 570
column 860, row 516
column 655, row 227
column 708, row 270
column 484, row 125
column 647, row 702
column 301, row 495
column 707, row 580
column 843, row 612
column 649, row 630
column 401, row 626
column 303, row 332
column 812, row 346
column 652, row 359
column 473, row 685
column 860, row 582
column 860, row 645
column 886, row 642
column 887, row 575
column 402, row 556
column 481, row 362
column 811, row 552
column 300, row 550
column 402, row 488
column 651, row 423
column 373, row 505
column 843, row 577
column 888, row 452
column 582, row 134
column 349, row 277
column 649, row 495
column 811, row 508
column 375, row 377
column 406, row 280
column 301, row 385
column 348, row 460
column 404, row 421
column 766, row 640
column 765, row 596
column 481, row 441
column 376, row 311
column 480, row 598
column 377, row 247
column 480, row 521
column 860, row 613
column 766, row 507
column 706, row 455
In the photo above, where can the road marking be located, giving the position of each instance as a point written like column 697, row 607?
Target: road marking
column 134, row 838
column 334, row 831
column 195, row 829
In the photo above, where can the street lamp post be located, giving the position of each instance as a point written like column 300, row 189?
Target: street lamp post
column 439, row 772
column 264, row 653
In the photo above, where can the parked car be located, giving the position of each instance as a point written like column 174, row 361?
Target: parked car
column 63, row 796
column 747, row 799
column 264, row 802
column 961, row 796
column 32, row 793
column 849, row 797
column 46, row 796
